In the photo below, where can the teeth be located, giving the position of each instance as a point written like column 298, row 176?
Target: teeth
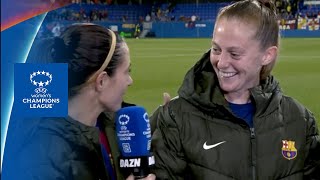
column 226, row 74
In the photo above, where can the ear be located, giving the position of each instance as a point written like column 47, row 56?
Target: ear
column 101, row 80
column 270, row 55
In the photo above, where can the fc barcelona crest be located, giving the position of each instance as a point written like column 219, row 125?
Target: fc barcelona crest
column 288, row 149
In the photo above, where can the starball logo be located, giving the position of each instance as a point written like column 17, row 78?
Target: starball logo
column 41, row 98
column 41, row 90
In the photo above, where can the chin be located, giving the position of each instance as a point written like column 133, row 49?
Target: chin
column 226, row 87
column 113, row 108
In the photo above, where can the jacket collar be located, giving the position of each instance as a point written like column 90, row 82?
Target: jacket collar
column 266, row 96
column 90, row 132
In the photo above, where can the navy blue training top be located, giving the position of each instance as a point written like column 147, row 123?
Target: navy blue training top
column 244, row 111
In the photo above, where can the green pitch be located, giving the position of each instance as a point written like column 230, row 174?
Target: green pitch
column 159, row 65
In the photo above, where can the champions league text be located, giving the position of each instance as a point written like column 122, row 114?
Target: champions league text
column 41, row 101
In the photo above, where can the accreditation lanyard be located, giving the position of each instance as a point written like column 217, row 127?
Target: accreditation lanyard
column 106, row 152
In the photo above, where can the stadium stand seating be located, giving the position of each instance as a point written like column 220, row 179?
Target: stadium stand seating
column 132, row 13
column 205, row 11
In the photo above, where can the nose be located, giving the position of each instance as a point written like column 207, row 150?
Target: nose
column 223, row 61
column 130, row 82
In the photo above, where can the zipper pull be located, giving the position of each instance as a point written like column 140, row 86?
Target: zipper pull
column 252, row 134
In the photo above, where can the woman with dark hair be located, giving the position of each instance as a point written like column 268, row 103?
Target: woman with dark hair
column 83, row 144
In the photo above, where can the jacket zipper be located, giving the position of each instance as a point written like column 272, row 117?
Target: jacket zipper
column 253, row 153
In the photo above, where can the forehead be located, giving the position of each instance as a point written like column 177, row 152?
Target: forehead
column 233, row 32
column 124, row 49
column 125, row 56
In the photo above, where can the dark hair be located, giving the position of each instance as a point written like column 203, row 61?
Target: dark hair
column 85, row 48
column 260, row 14
column 39, row 51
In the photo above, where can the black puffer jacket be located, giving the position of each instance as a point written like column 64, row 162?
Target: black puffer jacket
column 58, row 149
column 197, row 136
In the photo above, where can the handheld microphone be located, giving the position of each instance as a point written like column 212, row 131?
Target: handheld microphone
column 134, row 141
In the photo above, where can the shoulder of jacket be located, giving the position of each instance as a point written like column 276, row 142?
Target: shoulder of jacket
column 290, row 104
column 179, row 104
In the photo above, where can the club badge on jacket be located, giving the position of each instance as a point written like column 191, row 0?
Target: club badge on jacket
column 288, row 150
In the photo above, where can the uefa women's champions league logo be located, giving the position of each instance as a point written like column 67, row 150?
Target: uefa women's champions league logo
column 41, row 99
column 40, row 89
column 124, row 119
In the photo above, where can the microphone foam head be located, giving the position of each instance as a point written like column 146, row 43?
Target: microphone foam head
column 133, row 131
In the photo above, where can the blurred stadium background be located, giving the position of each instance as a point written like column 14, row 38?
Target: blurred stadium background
column 167, row 37
column 159, row 65
column 172, row 18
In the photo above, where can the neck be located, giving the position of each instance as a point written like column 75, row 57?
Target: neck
column 84, row 108
column 238, row 97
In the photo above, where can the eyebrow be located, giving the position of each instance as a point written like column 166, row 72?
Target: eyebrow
column 214, row 43
column 232, row 48
column 235, row 49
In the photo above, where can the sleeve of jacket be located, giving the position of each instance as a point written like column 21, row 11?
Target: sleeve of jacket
column 166, row 145
column 312, row 163
column 33, row 155
column 44, row 157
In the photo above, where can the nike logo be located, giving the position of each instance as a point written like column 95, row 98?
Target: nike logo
column 206, row 147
